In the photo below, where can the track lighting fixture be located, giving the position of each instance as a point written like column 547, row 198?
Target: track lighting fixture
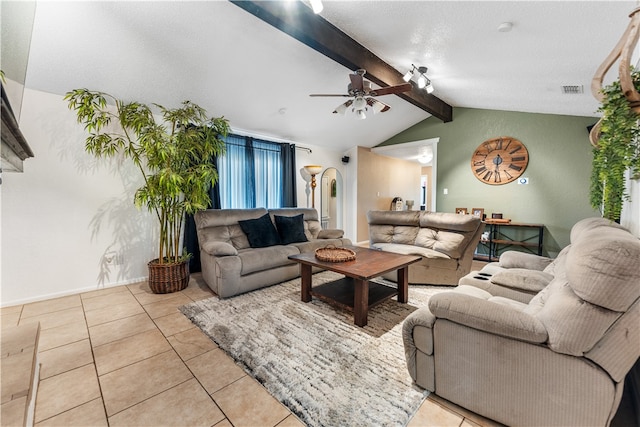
column 317, row 6
column 423, row 80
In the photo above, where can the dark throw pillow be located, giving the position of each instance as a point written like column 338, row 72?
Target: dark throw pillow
column 291, row 229
column 260, row 232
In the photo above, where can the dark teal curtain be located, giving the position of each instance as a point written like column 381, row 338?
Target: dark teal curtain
column 288, row 159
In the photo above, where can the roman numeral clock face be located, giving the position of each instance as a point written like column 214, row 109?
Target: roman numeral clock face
column 499, row 161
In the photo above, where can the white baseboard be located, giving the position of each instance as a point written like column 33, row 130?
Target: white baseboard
column 72, row 292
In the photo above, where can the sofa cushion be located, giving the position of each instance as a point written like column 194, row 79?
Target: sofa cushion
column 312, row 245
column 588, row 224
column 260, row 232
column 290, row 229
column 516, row 259
column 574, row 326
column 408, row 250
column 259, row 259
column 447, row 242
column 401, row 234
column 532, row 281
column 331, row 233
column 450, row 221
column 406, row 218
column 557, row 267
column 602, row 268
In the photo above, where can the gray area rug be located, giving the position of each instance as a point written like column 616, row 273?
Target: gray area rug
column 313, row 359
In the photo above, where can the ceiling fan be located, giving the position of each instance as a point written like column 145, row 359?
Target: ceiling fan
column 364, row 96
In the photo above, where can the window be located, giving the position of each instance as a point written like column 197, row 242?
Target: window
column 252, row 173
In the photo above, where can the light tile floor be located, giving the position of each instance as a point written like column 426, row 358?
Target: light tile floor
column 124, row 356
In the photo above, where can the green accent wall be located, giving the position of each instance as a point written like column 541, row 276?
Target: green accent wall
column 559, row 168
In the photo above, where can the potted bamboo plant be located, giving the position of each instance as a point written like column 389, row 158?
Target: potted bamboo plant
column 616, row 149
column 174, row 158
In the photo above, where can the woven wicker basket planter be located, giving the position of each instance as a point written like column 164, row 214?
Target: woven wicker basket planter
column 167, row 278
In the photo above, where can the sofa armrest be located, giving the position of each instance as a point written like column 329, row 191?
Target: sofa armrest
column 488, row 316
column 417, row 336
column 330, row 234
column 516, row 259
column 217, row 248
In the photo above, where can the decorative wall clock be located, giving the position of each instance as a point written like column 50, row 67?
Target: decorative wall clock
column 500, row 160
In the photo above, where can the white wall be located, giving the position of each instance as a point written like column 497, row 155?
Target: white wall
column 68, row 221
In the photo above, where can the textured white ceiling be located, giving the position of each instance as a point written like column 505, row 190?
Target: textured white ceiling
column 233, row 64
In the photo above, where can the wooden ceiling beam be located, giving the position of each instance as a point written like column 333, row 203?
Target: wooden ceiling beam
column 299, row 21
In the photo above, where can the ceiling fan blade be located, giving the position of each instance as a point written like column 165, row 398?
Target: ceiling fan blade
column 405, row 87
column 356, row 81
column 342, row 108
column 328, row 94
column 377, row 106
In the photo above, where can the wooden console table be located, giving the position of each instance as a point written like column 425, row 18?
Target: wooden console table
column 510, row 236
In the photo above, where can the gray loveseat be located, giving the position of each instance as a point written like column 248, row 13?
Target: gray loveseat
column 557, row 360
column 230, row 266
column 446, row 242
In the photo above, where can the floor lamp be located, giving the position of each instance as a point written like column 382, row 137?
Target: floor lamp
column 313, row 170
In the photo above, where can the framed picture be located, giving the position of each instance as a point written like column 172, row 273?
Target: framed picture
column 462, row 211
column 477, row 212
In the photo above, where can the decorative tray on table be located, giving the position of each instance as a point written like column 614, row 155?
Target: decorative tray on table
column 332, row 254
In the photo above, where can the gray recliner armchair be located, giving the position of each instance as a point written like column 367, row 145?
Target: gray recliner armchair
column 558, row 360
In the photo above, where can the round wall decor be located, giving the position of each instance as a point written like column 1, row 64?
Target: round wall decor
column 500, row 160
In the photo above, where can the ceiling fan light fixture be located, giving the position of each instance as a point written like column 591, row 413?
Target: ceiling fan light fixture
column 341, row 109
column 408, row 75
column 364, row 96
column 377, row 107
column 359, row 104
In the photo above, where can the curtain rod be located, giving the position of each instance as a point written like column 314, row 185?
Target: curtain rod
column 308, row 150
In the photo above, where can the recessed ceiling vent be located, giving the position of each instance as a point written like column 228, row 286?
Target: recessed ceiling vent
column 572, row 89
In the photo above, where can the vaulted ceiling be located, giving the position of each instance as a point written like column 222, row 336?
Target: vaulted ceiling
column 234, row 64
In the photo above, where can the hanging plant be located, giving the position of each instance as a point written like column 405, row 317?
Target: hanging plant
column 617, row 150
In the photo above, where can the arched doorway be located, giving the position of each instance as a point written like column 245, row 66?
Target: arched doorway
column 331, row 203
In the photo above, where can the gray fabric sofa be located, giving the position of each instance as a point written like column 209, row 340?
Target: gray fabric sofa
column 230, row 266
column 558, row 360
column 446, row 242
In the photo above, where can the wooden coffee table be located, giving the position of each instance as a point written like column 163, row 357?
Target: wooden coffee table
column 355, row 292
